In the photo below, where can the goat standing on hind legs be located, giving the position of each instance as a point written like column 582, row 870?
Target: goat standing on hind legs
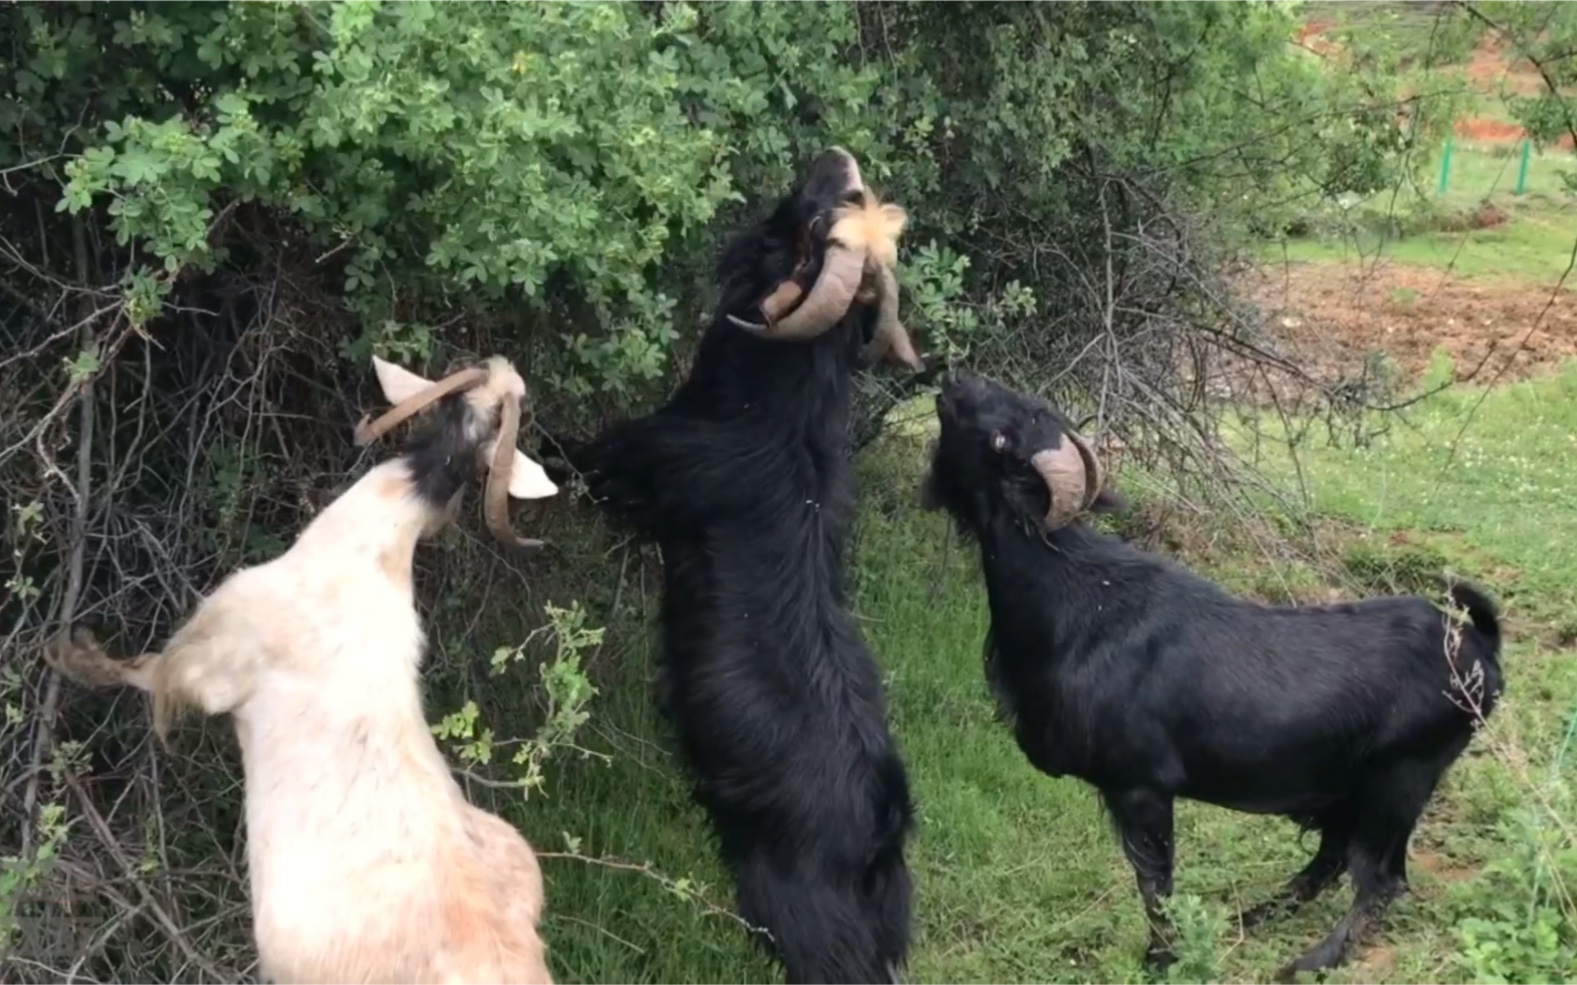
column 366, row 862
column 745, row 480
column 1131, row 673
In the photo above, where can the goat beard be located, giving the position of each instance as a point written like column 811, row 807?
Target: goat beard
column 890, row 339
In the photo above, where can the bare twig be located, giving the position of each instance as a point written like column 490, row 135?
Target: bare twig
column 43, row 737
column 681, row 888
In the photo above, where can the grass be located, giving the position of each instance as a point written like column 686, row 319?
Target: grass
column 1534, row 244
column 1017, row 877
column 1488, row 173
column 1536, row 250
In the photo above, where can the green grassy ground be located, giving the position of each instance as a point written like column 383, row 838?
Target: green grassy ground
column 1534, row 244
column 1017, row 876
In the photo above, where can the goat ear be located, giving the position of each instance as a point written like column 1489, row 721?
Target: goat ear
column 397, row 383
column 528, row 480
column 1109, row 500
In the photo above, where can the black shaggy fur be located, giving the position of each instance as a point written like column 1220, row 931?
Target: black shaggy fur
column 443, row 450
column 745, row 481
column 1134, row 675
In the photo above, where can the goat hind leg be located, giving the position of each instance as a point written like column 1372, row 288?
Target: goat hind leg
column 1327, row 865
column 1144, row 821
column 1376, row 889
column 1391, row 803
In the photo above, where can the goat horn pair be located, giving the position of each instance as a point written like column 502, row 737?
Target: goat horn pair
column 369, row 430
column 1072, row 475
column 843, row 271
column 495, row 495
column 829, row 298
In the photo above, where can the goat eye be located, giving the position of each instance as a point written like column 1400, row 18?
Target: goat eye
column 999, row 441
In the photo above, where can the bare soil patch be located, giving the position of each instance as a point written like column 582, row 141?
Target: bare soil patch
column 1493, row 68
column 1332, row 316
column 1498, row 132
column 1311, row 36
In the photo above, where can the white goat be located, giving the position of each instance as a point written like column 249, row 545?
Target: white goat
column 367, row 864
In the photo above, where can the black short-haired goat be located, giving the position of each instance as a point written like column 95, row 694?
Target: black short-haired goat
column 744, row 478
column 1131, row 673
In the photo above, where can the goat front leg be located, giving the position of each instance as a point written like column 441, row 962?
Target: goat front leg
column 1144, row 822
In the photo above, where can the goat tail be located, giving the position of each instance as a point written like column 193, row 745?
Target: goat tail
column 829, row 925
column 1481, row 611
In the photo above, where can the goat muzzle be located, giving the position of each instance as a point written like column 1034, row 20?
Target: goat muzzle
column 1073, row 477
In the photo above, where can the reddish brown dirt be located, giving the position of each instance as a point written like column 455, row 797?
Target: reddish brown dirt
column 1310, row 36
column 1333, row 316
column 1487, row 216
column 1330, row 317
column 1498, row 132
column 1376, row 961
column 1442, row 867
column 1491, row 131
column 1490, row 67
column 1493, row 69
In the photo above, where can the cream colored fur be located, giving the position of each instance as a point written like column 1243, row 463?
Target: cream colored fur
column 366, row 862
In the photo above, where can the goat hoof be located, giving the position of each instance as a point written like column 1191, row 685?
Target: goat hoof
column 1288, row 974
column 1159, row 957
column 1261, row 912
column 1316, row 962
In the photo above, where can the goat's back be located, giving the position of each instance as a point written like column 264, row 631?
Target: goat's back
column 1124, row 668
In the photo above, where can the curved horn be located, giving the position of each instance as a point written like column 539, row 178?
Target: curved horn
column 842, row 270
column 828, row 300
column 784, row 297
column 495, row 497
column 890, row 336
column 369, row 430
column 1073, row 478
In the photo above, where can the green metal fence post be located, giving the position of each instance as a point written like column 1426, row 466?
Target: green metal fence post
column 1522, row 169
column 1445, row 167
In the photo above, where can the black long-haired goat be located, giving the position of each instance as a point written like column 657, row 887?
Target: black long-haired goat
column 745, row 481
column 1129, row 672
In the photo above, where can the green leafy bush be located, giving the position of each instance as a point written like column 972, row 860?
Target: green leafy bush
column 216, row 211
